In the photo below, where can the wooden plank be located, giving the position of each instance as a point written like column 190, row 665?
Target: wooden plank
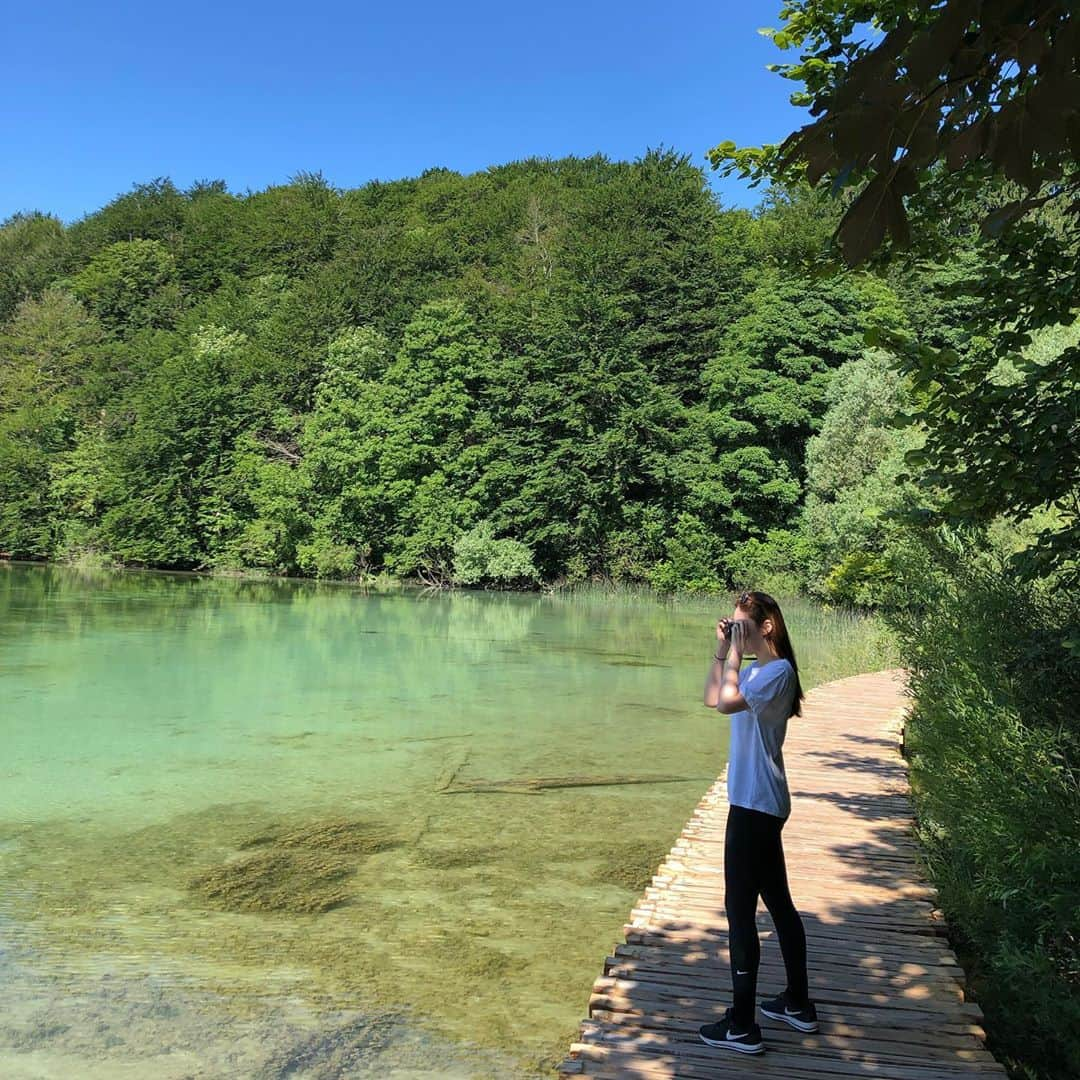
column 831, row 952
column 701, row 934
column 823, row 981
column 842, row 955
column 702, row 990
column 684, row 915
column 893, row 1040
column 636, row 1060
column 816, row 1043
column 830, row 1016
column 826, row 970
column 921, row 950
column 813, row 882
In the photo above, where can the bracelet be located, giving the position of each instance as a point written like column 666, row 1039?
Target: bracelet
column 721, row 659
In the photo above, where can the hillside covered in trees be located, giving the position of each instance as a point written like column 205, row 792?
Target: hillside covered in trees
column 549, row 370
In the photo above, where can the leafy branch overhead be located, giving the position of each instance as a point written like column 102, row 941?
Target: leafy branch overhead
column 977, row 88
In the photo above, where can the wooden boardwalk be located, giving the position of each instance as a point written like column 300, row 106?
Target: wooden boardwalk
column 888, row 989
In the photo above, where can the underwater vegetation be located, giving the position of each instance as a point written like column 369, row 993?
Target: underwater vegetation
column 296, row 870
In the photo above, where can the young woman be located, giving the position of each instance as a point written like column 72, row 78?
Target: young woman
column 760, row 699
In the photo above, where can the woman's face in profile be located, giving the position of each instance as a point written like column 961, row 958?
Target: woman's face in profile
column 751, row 640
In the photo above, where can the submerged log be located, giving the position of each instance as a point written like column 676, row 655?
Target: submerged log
column 434, row 738
column 449, row 773
column 536, row 785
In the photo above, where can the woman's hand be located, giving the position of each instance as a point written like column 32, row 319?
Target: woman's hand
column 723, row 640
column 737, row 633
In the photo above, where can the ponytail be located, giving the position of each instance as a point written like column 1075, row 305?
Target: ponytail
column 761, row 606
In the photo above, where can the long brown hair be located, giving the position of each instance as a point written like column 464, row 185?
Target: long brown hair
column 761, row 606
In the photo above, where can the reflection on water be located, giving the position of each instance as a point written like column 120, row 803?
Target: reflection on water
column 232, row 835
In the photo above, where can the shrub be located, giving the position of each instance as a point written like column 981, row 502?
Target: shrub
column 480, row 557
column 994, row 746
column 858, row 579
column 327, row 559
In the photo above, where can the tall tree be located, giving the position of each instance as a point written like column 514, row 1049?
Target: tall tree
column 45, row 353
column 33, row 249
column 130, row 284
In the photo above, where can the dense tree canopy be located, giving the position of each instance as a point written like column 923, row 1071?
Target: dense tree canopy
column 592, row 360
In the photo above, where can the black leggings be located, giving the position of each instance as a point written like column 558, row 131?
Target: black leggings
column 753, row 864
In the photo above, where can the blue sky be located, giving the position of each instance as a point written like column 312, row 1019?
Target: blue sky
column 99, row 96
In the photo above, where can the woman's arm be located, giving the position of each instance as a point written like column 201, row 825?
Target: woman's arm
column 731, row 699
column 722, row 683
column 712, row 680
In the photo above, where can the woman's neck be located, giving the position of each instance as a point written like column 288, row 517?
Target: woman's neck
column 767, row 654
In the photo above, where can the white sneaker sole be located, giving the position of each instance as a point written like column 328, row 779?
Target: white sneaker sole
column 795, row 1022
column 757, row 1048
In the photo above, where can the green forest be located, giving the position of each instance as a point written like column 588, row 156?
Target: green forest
column 559, row 372
column 551, row 370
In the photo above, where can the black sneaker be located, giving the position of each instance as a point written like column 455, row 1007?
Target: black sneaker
column 779, row 1008
column 720, row 1034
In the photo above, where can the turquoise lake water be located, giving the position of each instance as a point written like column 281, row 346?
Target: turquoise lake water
column 234, row 839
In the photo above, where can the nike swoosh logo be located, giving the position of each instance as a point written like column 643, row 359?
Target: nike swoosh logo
column 742, row 972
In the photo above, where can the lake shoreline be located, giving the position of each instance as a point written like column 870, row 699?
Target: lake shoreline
column 383, row 582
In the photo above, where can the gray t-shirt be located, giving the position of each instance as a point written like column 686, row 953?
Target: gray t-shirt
column 755, row 776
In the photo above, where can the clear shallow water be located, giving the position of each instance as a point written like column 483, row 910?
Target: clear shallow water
column 228, row 845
